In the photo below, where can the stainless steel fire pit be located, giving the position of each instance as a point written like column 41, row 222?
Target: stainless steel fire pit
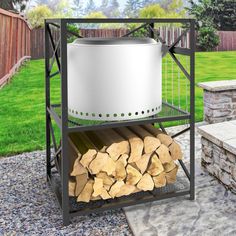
column 114, row 78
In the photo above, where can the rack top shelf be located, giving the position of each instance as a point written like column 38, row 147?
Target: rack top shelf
column 168, row 113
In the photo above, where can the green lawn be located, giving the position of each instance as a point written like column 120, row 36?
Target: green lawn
column 22, row 121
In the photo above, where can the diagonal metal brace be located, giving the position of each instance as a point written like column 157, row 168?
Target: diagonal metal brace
column 54, row 48
column 54, row 56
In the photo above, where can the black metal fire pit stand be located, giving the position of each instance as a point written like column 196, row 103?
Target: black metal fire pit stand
column 59, row 55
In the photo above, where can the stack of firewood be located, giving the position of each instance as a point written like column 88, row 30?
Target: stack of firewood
column 116, row 162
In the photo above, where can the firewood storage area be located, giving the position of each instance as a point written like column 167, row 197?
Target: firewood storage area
column 116, row 96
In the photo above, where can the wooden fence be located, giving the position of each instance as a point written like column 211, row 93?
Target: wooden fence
column 14, row 44
column 227, row 38
column 227, row 41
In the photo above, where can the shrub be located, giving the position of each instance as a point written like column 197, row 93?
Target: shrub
column 207, row 38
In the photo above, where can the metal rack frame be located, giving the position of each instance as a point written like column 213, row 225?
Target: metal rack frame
column 62, row 121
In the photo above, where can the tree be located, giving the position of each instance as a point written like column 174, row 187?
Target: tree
column 13, row 5
column 207, row 14
column 78, row 8
column 91, row 7
column 152, row 11
column 132, row 8
column 221, row 14
column 37, row 15
column 114, row 8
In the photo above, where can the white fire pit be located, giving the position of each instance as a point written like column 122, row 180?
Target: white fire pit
column 114, row 79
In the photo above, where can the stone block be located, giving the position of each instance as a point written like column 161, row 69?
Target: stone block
column 225, row 165
column 206, row 158
column 231, row 157
column 225, row 178
column 207, row 150
column 233, row 172
column 216, row 159
column 205, row 142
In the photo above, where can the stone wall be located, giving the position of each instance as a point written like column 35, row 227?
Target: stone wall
column 219, row 162
column 219, row 106
column 219, row 100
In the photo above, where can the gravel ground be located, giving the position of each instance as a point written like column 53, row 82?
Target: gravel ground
column 28, row 206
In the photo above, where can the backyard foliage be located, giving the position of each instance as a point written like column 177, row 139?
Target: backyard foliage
column 37, row 15
column 212, row 15
column 13, row 5
column 22, row 102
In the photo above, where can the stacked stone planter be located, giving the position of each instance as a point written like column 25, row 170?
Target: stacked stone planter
column 219, row 151
column 219, row 100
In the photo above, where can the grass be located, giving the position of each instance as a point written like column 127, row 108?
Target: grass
column 22, row 109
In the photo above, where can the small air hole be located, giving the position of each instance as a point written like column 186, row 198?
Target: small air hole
column 93, row 114
column 72, row 111
column 100, row 115
column 136, row 113
column 76, row 112
column 148, row 111
column 122, row 114
column 156, row 108
column 130, row 114
column 152, row 109
column 142, row 112
column 107, row 115
column 87, row 114
column 115, row 115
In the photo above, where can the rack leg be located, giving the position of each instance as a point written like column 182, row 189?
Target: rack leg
column 47, row 93
column 64, row 128
column 192, row 110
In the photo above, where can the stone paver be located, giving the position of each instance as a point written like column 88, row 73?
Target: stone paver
column 218, row 133
column 218, row 85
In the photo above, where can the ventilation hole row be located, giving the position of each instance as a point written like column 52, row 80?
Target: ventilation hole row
column 110, row 115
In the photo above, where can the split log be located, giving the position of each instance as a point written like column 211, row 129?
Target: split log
column 97, row 187
column 123, row 158
column 110, row 166
column 104, row 194
column 159, row 180
column 164, row 138
column 126, row 190
column 146, row 183
column 171, row 176
column 120, row 171
column 155, row 167
column 98, row 163
column 78, row 168
column 81, row 181
column 136, row 143
column 71, row 187
column 115, row 188
column 163, row 154
column 151, row 143
column 86, row 193
column 133, row 175
column 107, row 180
column 116, row 145
column 169, row 166
column 142, row 163
column 88, row 157
column 175, row 151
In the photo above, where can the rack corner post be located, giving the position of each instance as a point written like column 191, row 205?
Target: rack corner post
column 192, row 109
column 47, row 100
column 64, row 128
